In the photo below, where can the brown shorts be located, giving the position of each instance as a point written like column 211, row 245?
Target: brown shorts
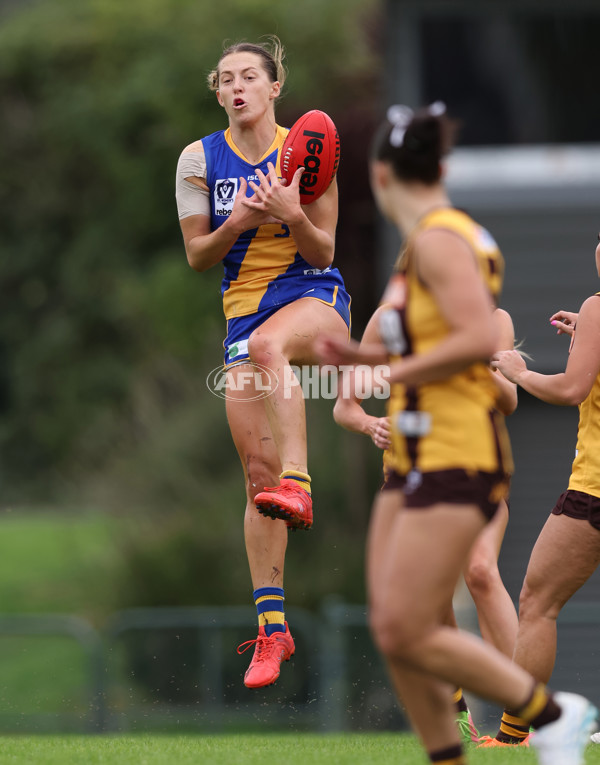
column 455, row 487
column 579, row 505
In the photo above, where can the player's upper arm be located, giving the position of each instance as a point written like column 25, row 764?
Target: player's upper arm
column 448, row 266
column 583, row 365
column 372, row 333
column 192, row 193
column 191, row 189
column 507, row 397
column 506, row 330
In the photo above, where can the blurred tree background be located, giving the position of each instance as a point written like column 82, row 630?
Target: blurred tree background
column 106, row 335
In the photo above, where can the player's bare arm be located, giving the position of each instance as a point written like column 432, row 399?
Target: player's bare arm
column 447, row 266
column 205, row 248
column 507, row 391
column 571, row 387
column 348, row 411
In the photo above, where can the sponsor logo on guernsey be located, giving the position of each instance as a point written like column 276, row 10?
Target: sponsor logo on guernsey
column 224, row 195
column 314, row 271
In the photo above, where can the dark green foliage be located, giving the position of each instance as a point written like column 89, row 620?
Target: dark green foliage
column 106, row 335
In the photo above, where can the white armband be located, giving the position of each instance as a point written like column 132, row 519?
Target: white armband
column 392, row 332
column 191, row 199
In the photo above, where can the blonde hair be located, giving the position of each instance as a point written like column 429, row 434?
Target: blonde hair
column 518, row 347
column 271, row 52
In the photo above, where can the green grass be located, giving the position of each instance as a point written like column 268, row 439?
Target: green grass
column 41, row 675
column 292, row 748
column 56, row 562
column 51, row 562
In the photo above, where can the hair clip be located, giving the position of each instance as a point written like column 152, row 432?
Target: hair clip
column 400, row 116
column 437, row 108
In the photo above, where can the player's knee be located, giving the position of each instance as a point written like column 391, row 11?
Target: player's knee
column 528, row 607
column 480, row 577
column 393, row 634
column 263, row 348
column 535, row 604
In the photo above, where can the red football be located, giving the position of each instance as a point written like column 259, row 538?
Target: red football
column 312, row 143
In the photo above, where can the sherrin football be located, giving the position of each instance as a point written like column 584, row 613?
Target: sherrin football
column 312, row 143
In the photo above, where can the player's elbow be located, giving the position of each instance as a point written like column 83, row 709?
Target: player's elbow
column 195, row 261
column 479, row 340
column 322, row 259
column 320, row 252
column 574, row 394
column 337, row 413
column 340, row 412
column 199, row 267
column 483, row 346
column 507, row 405
column 328, row 254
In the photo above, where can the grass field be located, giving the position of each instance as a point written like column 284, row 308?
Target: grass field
column 295, row 749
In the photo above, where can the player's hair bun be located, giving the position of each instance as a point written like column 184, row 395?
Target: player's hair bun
column 415, row 142
column 424, row 135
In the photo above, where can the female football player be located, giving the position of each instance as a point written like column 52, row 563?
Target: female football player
column 277, row 257
column 567, row 551
column 495, row 610
column 449, row 452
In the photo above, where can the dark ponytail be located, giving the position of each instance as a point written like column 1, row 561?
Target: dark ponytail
column 414, row 143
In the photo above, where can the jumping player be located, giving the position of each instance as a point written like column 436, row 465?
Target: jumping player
column 567, row 551
column 277, row 257
column 449, row 453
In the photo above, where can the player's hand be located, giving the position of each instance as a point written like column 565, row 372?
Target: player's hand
column 244, row 217
column 333, row 350
column 564, row 321
column 510, row 363
column 379, row 430
column 276, row 198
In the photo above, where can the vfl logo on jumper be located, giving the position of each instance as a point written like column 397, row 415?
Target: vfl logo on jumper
column 312, row 161
column 225, row 191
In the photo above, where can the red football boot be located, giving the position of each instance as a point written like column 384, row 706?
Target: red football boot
column 287, row 501
column 489, row 742
column 270, row 651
